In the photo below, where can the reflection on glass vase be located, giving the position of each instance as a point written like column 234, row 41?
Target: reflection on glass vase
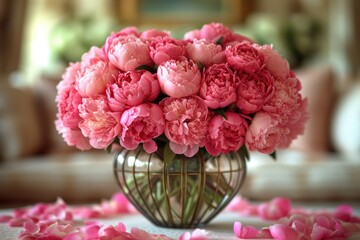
column 185, row 192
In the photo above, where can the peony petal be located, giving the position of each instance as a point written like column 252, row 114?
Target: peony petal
column 283, row 232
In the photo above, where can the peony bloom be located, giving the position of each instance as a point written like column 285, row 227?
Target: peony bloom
column 226, row 134
column 98, row 123
column 244, row 57
column 94, row 78
column 69, row 79
column 179, row 78
column 205, row 52
column 254, row 90
column 264, row 134
column 126, row 32
column 132, row 88
column 93, row 56
column 127, row 53
column 215, row 32
column 278, row 66
column 141, row 124
column 237, row 38
column 163, row 49
column 218, row 86
column 72, row 136
column 186, row 123
column 191, row 35
column 150, row 34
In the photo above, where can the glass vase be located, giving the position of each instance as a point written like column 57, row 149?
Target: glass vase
column 186, row 192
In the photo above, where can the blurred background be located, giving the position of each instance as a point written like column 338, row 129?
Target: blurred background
column 320, row 38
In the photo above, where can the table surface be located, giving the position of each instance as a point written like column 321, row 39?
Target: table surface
column 220, row 228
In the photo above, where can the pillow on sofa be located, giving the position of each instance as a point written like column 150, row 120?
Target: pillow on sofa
column 20, row 128
column 318, row 86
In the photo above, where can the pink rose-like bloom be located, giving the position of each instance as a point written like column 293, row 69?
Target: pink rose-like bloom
column 132, row 88
column 277, row 65
column 205, row 52
column 254, row 90
column 244, row 57
column 191, row 35
column 141, row 124
column 128, row 31
column 73, row 136
column 163, row 49
column 153, row 33
column 226, row 135
column 186, row 123
column 69, row 79
column 218, row 86
column 128, row 53
column 94, row 78
column 263, row 134
column 98, row 123
column 93, row 56
column 213, row 32
column 179, row 78
column 237, row 38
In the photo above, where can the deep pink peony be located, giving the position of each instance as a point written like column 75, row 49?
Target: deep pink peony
column 98, row 123
column 215, row 32
column 264, row 134
column 141, row 124
column 226, row 134
column 277, row 65
column 132, row 88
column 94, row 78
column 205, row 52
column 179, row 78
column 254, row 90
column 163, row 49
column 218, row 86
column 127, row 53
column 186, row 123
column 244, row 57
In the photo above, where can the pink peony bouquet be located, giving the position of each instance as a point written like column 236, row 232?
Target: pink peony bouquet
column 214, row 90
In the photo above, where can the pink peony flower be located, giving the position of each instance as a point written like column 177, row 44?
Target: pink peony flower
column 237, row 38
column 191, row 35
column 128, row 31
column 179, row 78
column 218, row 86
column 278, row 66
column 214, row 32
column 186, row 123
column 205, row 52
column 150, row 34
column 127, row 53
column 132, row 88
column 93, row 56
column 254, row 90
column 94, row 78
column 72, row 136
column 226, row 134
column 263, row 134
column 141, row 124
column 163, row 49
column 98, row 123
column 244, row 57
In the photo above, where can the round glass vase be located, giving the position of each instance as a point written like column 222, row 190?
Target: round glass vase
column 186, row 192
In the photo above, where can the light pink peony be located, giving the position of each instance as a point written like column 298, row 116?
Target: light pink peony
column 179, row 78
column 191, row 35
column 277, row 65
column 244, row 57
column 214, row 32
column 163, row 49
column 254, row 90
column 218, row 86
column 132, row 88
column 205, row 52
column 69, row 79
column 226, row 135
column 150, row 34
column 237, row 38
column 94, row 78
column 128, row 53
column 72, row 136
column 186, row 123
column 93, row 56
column 264, row 133
column 128, row 31
column 98, row 123
column 141, row 124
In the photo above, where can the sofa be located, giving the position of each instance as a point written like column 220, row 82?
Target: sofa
column 36, row 165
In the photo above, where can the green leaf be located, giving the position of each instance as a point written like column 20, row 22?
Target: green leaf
column 200, row 65
column 109, row 148
column 221, row 112
column 147, row 68
column 273, row 155
column 168, row 154
column 220, row 40
column 244, row 152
